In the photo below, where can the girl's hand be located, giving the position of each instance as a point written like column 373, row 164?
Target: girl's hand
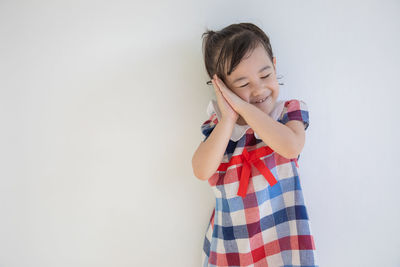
column 227, row 112
column 233, row 99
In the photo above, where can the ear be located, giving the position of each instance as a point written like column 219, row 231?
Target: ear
column 274, row 60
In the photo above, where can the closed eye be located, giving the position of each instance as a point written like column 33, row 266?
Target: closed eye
column 261, row 78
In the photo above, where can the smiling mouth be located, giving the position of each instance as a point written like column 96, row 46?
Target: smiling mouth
column 260, row 101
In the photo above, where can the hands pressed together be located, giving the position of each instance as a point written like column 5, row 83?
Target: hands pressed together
column 228, row 102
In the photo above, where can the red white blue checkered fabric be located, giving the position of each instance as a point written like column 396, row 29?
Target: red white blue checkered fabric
column 270, row 225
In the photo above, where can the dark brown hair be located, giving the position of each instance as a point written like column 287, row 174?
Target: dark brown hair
column 223, row 50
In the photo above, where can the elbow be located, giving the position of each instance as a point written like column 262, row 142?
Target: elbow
column 295, row 142
column 195, row 169
column 200, row 177
column 294, row 152
column 296, row 148
column 288, row 155
column 293, row 156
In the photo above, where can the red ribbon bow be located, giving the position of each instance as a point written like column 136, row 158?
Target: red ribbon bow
column 249, row 158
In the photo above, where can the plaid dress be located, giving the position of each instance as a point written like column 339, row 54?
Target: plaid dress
column 260, row 217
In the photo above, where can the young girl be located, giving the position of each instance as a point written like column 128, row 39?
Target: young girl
column 249, row 157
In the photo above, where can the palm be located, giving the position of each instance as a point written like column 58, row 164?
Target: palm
column 226, row 110
column 231, row 99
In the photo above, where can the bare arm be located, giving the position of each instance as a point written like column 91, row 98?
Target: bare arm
column 281, row 138
column 209, row 154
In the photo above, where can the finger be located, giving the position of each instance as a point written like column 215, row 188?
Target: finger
column 214, row 85
column 220, row 83
column 225, row 96
column 217, row 83
column 217, row 89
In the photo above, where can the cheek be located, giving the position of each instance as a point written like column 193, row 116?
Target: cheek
column 243, row 95
column 273, row 85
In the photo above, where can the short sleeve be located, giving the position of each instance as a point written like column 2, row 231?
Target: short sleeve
column 208, row 126
column 295, row 110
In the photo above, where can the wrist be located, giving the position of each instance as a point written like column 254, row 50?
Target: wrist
column 242, row 106
column 228, row 121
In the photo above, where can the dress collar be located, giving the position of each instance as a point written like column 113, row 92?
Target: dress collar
column 240, row 130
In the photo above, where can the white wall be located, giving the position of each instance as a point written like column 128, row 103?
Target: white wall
column 101, row 105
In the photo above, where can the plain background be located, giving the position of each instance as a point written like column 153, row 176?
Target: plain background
column 101, row 104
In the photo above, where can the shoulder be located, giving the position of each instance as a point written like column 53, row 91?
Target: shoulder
column 295, row 109
column 295, row 104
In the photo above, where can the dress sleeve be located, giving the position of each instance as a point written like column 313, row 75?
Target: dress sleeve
column 295, row 110
column 208, row 126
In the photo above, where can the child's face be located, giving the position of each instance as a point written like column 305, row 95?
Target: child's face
column 253, row 87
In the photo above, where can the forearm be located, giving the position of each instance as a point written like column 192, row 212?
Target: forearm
column 209, row 154
column 274, row 134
